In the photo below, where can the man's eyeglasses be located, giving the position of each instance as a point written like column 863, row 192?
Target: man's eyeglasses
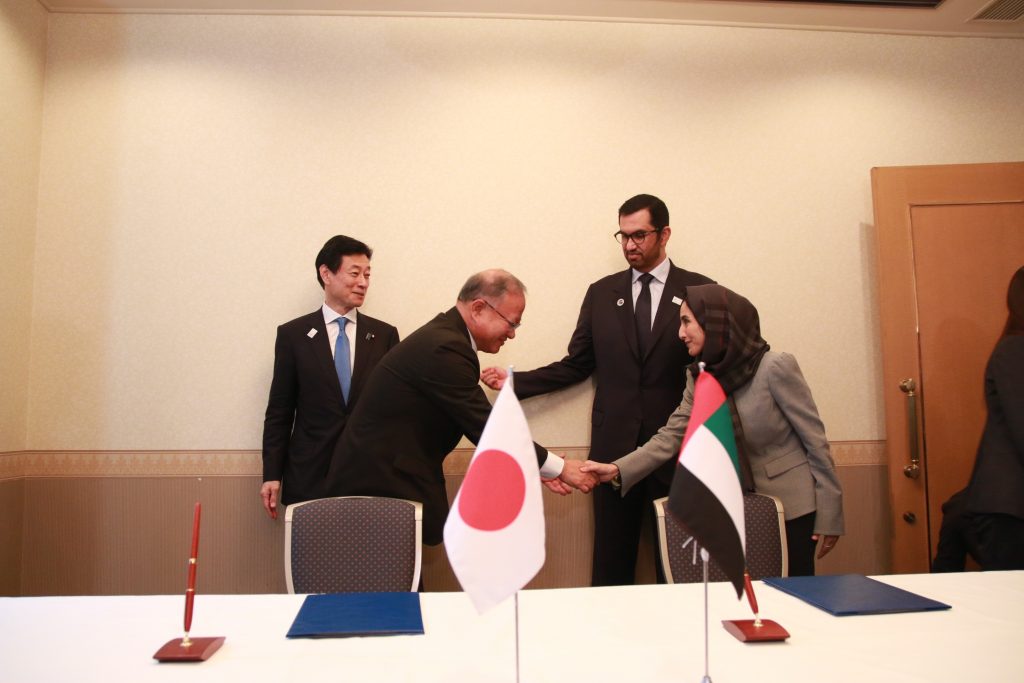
column 637, row 237
column 514, row 326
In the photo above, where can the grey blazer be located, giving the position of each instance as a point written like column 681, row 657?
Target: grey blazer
column 789, row 453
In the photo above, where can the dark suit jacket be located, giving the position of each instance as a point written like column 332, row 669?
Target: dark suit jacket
column 420, row 400
column 997, row 483
column 633, row 396
column 306, row 411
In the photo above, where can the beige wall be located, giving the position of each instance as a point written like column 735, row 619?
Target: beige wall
column 22, row 62
column 176, row 174
column 192, row 165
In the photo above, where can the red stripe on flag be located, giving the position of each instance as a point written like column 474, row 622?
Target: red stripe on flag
column 707, row 397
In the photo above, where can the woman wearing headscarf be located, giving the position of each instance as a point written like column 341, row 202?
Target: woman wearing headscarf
column 776, row 421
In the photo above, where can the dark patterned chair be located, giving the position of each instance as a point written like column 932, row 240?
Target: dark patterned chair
column 766, row 543
column 353, row 544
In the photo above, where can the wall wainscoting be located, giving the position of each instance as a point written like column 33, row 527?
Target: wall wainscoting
column 119, row 522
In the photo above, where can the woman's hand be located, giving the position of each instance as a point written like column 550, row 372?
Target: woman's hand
column 604, row 471
column 826, row 545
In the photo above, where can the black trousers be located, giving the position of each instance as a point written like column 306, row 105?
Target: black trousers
column 617, row 525
column 801, row 546
column 995, row 541
column 951, row 553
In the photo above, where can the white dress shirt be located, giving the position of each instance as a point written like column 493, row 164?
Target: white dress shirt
column 660, row 273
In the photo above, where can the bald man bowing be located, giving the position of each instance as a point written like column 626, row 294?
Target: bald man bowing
column 425, row 395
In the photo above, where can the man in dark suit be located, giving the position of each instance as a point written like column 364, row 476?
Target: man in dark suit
column 425, row 395
column 315, row 388
column 638, row 372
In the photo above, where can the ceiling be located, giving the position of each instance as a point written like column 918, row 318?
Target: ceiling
column 950, row 18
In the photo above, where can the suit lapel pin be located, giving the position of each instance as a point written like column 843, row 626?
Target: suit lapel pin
column 311, row 333
column 369, row 336
column 677, row 301
column 620, row 302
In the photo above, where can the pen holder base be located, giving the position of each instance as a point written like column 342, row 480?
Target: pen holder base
column 747, row 631
column 198, row 650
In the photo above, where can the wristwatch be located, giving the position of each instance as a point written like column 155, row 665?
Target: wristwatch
column 616, row 481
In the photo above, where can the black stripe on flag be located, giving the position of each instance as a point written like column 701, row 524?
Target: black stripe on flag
column 701, row 513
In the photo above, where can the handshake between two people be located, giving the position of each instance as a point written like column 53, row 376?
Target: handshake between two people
column 572, row 477
column 581, row 475
column 575, row 474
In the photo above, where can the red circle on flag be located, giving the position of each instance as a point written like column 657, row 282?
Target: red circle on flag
column 493, row 492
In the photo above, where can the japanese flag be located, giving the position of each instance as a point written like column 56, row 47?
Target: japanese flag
column 494, row 535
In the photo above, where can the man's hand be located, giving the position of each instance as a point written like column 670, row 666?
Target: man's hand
column 268, row 492
column 572, row 476
column 559, row 487
column 826, row 545
column 494, row 377
column 604, row 471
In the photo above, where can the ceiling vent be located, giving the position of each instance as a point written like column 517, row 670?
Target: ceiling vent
column 905, row 4
column 1001, row 10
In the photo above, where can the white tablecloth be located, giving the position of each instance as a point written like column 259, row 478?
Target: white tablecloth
column 645, row 634
column 656, row 634
column 112, row 639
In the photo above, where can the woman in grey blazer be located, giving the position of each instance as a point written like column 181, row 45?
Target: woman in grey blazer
column 778, row 428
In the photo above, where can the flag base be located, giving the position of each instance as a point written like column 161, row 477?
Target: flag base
column 755, row 630
column 197, row 650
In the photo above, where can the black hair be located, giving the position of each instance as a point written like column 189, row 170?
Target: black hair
column 656, row 207
column 335, row 249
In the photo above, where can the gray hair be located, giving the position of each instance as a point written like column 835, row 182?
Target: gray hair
column 491, row 284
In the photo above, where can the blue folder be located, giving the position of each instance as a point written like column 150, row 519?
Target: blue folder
column 339, row 615
column 850, row 594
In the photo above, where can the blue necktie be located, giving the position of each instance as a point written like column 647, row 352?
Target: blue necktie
column 341, row 356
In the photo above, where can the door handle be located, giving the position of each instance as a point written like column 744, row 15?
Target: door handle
column 913, row 470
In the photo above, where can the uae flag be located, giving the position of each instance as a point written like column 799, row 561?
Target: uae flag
column 706, row 496
column 494, row 535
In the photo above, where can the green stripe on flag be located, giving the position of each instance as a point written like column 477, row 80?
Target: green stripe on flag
column 720, row 424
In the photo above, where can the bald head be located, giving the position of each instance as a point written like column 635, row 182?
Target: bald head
column 491, row 284
column 492, row 304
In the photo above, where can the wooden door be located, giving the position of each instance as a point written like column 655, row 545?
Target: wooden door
column 949, row 238
column 964, row 257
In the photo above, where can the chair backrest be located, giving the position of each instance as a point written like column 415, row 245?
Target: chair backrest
column 353, row 544
column 766, row 543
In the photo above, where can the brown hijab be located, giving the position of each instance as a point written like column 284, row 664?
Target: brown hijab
column 733, row 349
column 733, row 346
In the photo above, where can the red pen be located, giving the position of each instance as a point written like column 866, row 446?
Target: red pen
column 186, row 649
column 190, row 592
column 755, row 631
column 748, row 588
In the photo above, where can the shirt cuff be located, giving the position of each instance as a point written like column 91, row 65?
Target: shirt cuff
column 552, row 467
